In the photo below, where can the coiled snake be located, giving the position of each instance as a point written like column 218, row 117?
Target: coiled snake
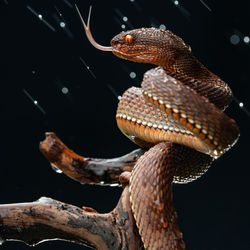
column 178, row 115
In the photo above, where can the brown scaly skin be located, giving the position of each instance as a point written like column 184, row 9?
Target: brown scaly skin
column 180, row 105
column 181, row 102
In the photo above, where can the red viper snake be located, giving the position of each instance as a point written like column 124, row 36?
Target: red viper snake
column 177, row 114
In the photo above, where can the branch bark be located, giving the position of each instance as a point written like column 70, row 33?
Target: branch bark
column 83, row 169
column 48, row 219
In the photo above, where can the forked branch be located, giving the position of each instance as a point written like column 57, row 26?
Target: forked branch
column 83, row 169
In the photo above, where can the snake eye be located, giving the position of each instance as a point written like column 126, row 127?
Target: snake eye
column 128, row 39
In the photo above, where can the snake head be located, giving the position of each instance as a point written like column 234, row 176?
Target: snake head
column 149, row 45
column 145, row 45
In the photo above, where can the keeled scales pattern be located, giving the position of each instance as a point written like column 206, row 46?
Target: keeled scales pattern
column 180, row 104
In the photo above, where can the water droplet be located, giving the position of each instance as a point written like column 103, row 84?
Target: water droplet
column 65, row 90
column 40, row 16
column 176, row 2
column 246, row 39
column 132, row 75
column 125, row 19
column 162, row 27
column 62, row 24
column 123, row 26
column 1, row 241
column 56, row 169
column 234, row 39
column 35, row 102
column 114, row 185
column 241, row 104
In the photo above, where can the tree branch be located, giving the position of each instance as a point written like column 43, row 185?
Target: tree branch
column 48, row 219
column 83, row 169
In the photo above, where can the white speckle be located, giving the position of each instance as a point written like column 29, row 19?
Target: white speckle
column 246, row 39
column 125, row 19
column 35, row 102
column 114, row 185
column 241, row 104
column 183, row 116
column 204, row 131
column 123, row 26
column 124, row 116
column 149, row 95
column 234, row 39
column 128, row 117
column 40, row 16
column 168, row 106
column 165, row 127
column 138, row 121
column 176, row 2
column 155, row 98
column 176, row 130
column 198, row 126
column 161, row 102
column 132, row 75
column 162, row 27
column 191, row 121
column 211, row 137
column 62, row 24
column 154, row 125
column 144, row 123
column 119, row 97
column 133, row 119
column 160, row 126
column 65, row 90
column 150, row 124
column 132, row 1
column 176, row 110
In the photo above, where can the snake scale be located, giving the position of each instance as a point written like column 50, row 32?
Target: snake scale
column 177, row 115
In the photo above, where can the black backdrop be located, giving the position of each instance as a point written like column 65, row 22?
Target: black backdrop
column 39, row 60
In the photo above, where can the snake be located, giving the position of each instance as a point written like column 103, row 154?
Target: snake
column 178, row 116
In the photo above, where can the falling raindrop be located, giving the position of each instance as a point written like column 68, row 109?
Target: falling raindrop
column 246, row 39
column 65, row 90
column 132, row 75
column 62, row 24
column 1, row 241
column 234, row 39
column 241, row 104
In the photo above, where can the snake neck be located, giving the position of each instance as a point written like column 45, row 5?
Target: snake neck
column 187, row 69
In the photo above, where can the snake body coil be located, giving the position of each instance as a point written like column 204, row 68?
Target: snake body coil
column 178, row 115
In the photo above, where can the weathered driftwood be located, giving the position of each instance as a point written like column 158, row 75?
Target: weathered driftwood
column 48, row 219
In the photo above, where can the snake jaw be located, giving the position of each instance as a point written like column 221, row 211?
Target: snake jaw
column 88, row 32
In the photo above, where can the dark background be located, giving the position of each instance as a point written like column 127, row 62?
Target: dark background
column 39, row 60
